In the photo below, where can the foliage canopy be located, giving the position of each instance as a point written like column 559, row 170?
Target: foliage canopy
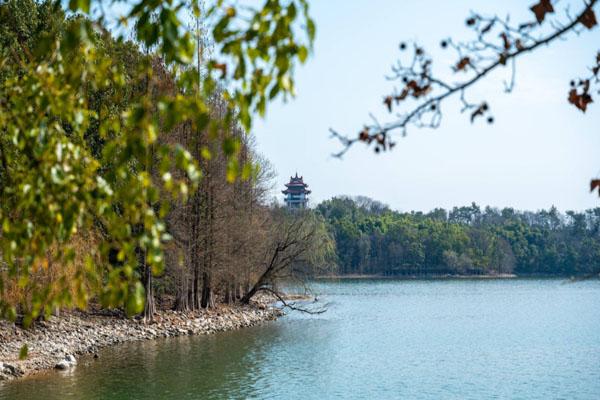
column 81, row 130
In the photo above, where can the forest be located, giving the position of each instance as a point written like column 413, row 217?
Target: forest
column 372, row 239
column 128, row 178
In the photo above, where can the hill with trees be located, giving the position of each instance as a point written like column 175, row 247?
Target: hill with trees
column 372, row 239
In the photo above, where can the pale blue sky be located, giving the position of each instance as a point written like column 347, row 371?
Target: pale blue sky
column 540, row 151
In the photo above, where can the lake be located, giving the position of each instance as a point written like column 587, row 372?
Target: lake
column 379, row 339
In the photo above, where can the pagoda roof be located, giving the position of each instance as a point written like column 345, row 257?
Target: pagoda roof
column 296, row 191
column 296, row 185
column 296, row 181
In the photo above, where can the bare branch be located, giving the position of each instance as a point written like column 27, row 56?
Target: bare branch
column 478, row 58
column 293, row 305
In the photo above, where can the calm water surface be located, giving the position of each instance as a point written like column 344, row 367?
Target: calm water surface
column 380, row 339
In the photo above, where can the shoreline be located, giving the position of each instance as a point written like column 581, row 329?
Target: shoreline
column 437, row 277
column 58, row 342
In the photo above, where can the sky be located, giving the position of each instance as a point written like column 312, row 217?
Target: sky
column 539, row 152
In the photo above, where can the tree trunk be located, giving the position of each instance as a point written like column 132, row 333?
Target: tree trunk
column 227, row 298
column 196, row 294
column 250, row 293
column 206, row 300
column 230, row 292
column 227, row 295
column 181, row 299
column 239, row 292
column 150, row 306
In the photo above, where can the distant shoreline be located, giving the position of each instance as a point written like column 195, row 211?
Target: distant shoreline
column 438, row 277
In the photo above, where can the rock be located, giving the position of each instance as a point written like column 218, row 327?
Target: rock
column 68, row 362
column 62, row 364
column 10, row 370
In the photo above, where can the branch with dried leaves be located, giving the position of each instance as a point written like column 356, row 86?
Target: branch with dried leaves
column 498, row 43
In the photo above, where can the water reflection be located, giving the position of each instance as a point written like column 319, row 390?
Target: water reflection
column 226, row 365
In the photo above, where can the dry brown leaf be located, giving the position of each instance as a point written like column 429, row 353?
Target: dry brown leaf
column 580, row 101
column 221, row 67
column 505, row 40
column 502, row 59
column 541, row 9
column 401, row 96
column 588, row 19
column 519, row 44
column 595, row 183
column 462, row 64
column 479, row 111
column 364, row 135
column 388, row 102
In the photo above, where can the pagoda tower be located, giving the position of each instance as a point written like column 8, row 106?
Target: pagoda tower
column 296, row 193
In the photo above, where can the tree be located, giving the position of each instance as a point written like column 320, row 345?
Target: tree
column 300, row 247
column 83, row 144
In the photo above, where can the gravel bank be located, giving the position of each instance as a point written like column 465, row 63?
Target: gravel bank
column 56, row 343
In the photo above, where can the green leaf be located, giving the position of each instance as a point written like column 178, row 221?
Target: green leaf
column 135, row 299
column 311, row 29
column 11, row 314
column 23, row 352
column 230, row 146
column 232, row 170
column 291, row 11
column 247, row 170
column 302, row 53
column 83, row 5
column 205, row 153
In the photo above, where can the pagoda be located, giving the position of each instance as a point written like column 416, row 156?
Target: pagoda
column 296, row 192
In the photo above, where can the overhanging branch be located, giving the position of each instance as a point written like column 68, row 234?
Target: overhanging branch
column 480, row 56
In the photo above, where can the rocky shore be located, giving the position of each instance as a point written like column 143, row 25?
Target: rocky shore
column 58, row 342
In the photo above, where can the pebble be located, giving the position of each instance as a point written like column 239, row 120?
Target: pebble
column 54, row 343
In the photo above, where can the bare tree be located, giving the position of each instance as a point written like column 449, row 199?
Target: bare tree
column 298, row 249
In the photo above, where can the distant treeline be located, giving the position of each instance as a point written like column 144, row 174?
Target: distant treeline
column 373, row 239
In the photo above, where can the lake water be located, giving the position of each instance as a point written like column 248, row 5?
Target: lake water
column 379, row 339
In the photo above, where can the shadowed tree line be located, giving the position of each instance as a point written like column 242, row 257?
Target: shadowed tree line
column 373, row 239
